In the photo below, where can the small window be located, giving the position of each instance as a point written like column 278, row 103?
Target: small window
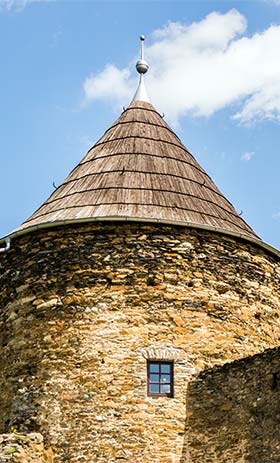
column 160, row 378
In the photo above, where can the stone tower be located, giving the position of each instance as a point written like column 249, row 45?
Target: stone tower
column 139, row 313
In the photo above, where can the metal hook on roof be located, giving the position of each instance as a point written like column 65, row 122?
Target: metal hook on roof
column 7, row 246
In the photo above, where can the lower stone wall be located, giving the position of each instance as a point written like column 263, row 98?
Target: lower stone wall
column 233, row 413
column 232, row 416
column 24, row 448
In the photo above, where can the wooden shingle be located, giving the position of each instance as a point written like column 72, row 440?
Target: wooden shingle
column 140, row 170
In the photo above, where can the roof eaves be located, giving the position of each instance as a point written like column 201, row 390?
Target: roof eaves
column 47, row 225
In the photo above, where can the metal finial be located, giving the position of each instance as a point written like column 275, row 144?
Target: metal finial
column 142, row 65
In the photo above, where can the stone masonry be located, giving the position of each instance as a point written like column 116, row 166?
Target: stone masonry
column 24, row 448
column 233, row 412
column 84, row 307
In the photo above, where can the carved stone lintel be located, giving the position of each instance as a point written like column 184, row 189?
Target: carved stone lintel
column 167, row 353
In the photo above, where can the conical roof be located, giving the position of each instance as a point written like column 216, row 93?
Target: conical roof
column 140, row 170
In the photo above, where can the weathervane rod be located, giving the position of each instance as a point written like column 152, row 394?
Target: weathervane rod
column 142, row 38
column 142, row 65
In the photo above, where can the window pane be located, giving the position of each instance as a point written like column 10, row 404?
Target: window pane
column 154, row 388
column 154, row 378
column 165, row 388
column 165, row 378
column 165, row 368
column 154, row 367
column 160, row 377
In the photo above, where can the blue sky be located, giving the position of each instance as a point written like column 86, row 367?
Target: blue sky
column 67, row 69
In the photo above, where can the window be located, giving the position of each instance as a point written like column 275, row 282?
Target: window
column 160, row 378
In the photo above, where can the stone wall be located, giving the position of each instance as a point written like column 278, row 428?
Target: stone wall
column 233, row 412
column 24, row 448
column 84, row 307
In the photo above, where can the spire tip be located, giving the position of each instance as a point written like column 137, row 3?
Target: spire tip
column 142, row 65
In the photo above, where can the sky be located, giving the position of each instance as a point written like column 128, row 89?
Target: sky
column 68, row 68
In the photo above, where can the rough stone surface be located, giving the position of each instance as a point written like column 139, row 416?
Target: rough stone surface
column 233, row 412
column 84, row 307
column 24, row 448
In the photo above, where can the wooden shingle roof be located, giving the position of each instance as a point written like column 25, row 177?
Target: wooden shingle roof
column 140, row 170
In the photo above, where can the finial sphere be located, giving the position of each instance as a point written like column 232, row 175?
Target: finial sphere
column 142, row 66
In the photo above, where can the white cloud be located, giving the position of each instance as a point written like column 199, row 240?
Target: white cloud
column 202, row 68
column 55, row 38
column 276, row 215
column 111, row 83
column 17, row 5
column 248, row 156
column 13, row 4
